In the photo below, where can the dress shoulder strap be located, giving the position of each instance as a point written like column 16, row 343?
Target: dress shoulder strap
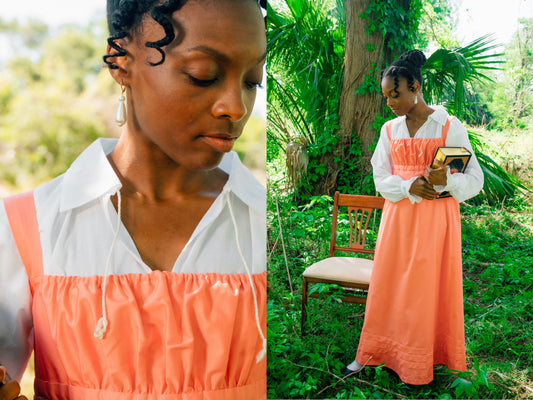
column 445, row 128
column 22, row 217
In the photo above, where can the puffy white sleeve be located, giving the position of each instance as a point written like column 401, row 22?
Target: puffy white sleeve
column 466, row 185
column 16, row 339
column 392, row 187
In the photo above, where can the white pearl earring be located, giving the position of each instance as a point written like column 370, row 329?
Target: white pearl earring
column 416, row 99
column 120, row 116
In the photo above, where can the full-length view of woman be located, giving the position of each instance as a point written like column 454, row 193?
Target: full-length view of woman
column 414, row 313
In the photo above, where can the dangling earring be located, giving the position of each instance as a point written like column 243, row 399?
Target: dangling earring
column 416, row 99
column 120, row 116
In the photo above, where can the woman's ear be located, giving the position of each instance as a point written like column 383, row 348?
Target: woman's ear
column 121, row 60
column 415, row 87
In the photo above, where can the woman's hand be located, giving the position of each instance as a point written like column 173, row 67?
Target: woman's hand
column 9, row 390
column 437, row 176
column 421, row 187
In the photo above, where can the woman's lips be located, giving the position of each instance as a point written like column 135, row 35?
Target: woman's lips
column 222, row 143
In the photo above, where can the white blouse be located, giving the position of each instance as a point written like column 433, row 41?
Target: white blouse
column 77, row 222
column 462, row 186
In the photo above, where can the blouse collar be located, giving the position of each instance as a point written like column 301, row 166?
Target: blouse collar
column 91, row 177
column 440, row 114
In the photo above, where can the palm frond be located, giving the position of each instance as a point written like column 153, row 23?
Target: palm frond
column 498, row 184
column 305, row 64
column 449, row 73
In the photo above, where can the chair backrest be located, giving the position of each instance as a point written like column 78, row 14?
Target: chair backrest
column 360, row 210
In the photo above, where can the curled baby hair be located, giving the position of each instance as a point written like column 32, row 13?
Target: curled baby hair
column 407, row 66
column 123, row 16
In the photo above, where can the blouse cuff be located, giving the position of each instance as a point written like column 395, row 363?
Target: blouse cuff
column 444, row 188
column 451, row 183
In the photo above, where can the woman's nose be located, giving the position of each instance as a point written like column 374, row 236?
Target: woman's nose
column 231, row 104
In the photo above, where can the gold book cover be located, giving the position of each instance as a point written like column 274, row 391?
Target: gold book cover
column 456, row 158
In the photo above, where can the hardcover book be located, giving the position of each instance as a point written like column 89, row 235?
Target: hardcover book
column 456, row 158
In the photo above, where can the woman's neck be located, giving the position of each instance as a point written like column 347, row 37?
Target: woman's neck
column 420, row 112
column 145, row 171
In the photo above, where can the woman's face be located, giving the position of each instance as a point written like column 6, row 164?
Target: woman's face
column 401, row 99
column 194, row 106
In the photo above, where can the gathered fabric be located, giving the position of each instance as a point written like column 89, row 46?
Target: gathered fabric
column 169, row 335
column 414, row 312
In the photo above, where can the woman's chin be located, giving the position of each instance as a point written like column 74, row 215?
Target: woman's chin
column 398, row 113
column 205, row 162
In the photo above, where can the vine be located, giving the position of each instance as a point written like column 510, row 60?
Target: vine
column 399, row 28
column 398, row 25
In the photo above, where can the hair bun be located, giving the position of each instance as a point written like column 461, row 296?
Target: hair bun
column 415, row 57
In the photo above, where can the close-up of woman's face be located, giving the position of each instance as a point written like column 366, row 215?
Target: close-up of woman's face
column 195, row 104
column 400, row 99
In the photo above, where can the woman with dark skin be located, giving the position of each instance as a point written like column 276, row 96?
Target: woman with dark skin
column 156, row 241
column 414, row 311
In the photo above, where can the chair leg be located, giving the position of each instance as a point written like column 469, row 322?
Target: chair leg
column 304, row 305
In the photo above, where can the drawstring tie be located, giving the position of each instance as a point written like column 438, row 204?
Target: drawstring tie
column 261, row 353
column 101, row 326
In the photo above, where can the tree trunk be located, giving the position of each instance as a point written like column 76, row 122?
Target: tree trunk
column 357, row 112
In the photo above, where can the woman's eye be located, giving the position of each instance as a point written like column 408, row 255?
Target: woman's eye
column 201, row 82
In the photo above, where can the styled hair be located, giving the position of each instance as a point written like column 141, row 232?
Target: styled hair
column 407, row 66
column 124, row 16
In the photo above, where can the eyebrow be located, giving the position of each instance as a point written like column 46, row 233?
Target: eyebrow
column 218, row 55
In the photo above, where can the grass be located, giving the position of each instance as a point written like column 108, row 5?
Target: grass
column 497, row 254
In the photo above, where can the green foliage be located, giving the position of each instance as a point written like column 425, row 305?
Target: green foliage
column 449, row 73
column 398, row 26
column 30, row 34
column 50, row 108
column 510, row 97
column 34, row 151
column 305, row 46
column 438, row 17
column 498, row 184
column 369, row 84
column 497, row 253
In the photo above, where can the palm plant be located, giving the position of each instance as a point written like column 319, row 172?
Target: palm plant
column 305, row 45
column 449, row 73
column 448, row 77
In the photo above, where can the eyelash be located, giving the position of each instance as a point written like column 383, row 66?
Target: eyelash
column 393, row 97
column 201, row 82
column 208, row 82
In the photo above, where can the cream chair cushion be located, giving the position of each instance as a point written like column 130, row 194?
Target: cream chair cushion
column 349, row 269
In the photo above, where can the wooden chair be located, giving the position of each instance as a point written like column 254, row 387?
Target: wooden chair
column 351, row 273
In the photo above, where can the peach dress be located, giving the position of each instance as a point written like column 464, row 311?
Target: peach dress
column 414, row 313
column 171, row 335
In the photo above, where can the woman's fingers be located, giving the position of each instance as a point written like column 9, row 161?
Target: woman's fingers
column 422, row 188
column 10, row 391
column 437, row 176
